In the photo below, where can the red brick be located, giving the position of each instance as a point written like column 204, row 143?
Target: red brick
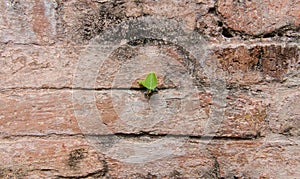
column 247, row 66
column 168, row 113
column 188, row 12
column 163, row 158
column 272, row 157
column 24, row 66
column 258, row 17
column 31, row 21
column 110, row 129
column 81, row 20
column 37, row 112
column 244, row 116
column 40, row 112
column 49, row 158
column 284, row 112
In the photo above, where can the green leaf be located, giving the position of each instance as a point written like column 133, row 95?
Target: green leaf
column 150, row 82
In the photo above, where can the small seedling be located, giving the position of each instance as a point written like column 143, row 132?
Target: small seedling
column 150, row 83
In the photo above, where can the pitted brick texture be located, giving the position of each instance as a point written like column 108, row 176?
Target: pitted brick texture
column 113, row 130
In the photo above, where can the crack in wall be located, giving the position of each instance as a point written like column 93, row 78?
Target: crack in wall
column 94, row 174
column 288, row 30
column 80, row 89
column 133, row 135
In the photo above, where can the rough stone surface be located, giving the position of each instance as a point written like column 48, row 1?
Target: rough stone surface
column 234, row 113
column 285, row 112
column 24, row 66
column 49, row 157
column 184, row 159
column 71, row 157
column 259, row 64
column 272, row 157
column 41, row 112
column 259, row 16
column 79, row 21
column 170, row 112
column 28, row 22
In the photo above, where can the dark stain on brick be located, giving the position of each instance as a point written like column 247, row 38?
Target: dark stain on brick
column 76, row 156
column 276, row 59
column 226, row 32
column 95, row 21
column 175, row 174
column 143, row 176
column 213, row 172
column 271, row 61
column 124, row 53
column 12, row 173
column 15, row 4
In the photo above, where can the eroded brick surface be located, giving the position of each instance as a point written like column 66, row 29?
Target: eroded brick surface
column 259, row 16
column 285, row 112
column 79, row 21
column 34, row 112
column 178, row 158
column 42, row 112
column 31, row 21
column 24, row 66
column 130, row 63
column 169, row 112
column 246, row 66
column 244, row 92
column 127, row 158
column 272, row 157
column 49, row 158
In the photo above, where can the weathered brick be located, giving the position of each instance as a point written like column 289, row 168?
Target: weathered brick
column 259, row 16
column 23, row 66
column 31, row 21
column 40, row 112
column 272, row 157
column 188, row 12
column 129, row 64
column 284, row 112
column 144, row 157
column 169, row 112
column 210, row 26
column 37, row 112
column 49, row 158
column 245, row 115
column 52, row 125
column 246, row 66
column 80, row 21
column 75, row 157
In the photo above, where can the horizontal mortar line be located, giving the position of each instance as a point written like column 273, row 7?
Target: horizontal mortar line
column 104, row 89
column 128, row 136
column 249, row 45
column 222, row 44
column 49, row 135
column 96, row 173
column 31, row 44
column 79, row 88
column 58, row 44
column 199, row 137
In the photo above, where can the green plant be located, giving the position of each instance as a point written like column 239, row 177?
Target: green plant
column 150, row 82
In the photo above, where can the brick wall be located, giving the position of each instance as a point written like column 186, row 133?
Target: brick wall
column 228, row 104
